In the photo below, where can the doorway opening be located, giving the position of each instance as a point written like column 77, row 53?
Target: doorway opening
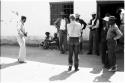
column 111, row 7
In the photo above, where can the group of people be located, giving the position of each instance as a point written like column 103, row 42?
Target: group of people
column 61, row 25
column 104, row 34
column 69, row 35
column 110, row 33
column 50, row 42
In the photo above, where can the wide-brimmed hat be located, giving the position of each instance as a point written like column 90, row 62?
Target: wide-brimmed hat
column 77, row 15
column 106, row 18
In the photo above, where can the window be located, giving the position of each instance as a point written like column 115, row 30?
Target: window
column 57, row 7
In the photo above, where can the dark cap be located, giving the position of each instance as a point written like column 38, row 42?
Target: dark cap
column 47, row 33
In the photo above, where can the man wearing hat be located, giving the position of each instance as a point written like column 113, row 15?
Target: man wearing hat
column 103, row 50
column 93, row 36
column 61, row 25
column 112, row 35
column 83, row 24
column 74, row 32
column 81, row 21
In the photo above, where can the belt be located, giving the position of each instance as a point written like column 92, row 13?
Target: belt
column 74, row 37
column 92, row 29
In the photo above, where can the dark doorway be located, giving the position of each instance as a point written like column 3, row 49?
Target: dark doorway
column 111, row 7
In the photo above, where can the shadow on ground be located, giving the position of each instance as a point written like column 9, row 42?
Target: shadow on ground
column 62, row 76
column 54, row 57
column 3, row 66
column 104, row 77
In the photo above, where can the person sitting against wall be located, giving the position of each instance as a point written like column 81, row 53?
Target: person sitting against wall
column 47, row 40
column 55, row 41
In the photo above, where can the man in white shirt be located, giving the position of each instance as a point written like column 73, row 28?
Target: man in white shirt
column 21, row 39
column 61, row 25
column 74, row 32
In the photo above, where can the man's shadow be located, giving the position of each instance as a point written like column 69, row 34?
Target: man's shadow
column 96, row 70
column 104, row 77
column 3, row 66
column 62, row 76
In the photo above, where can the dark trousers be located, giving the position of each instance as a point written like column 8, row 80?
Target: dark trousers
column 73, row 49
column 111, row 52
column 104, row 54
column 93, row 41
column 81, row 44
column 62, row 40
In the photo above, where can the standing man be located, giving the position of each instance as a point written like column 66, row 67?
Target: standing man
column 112, row 35
column 61, row 25
column 103, row 51
column 93, row 36
column 81, row 21
column 83, row 24
column 21, row 39
column 74, row 32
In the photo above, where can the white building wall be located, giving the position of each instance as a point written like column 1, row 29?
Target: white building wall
column 37, row 13
column 38, row 16
column 85, row 8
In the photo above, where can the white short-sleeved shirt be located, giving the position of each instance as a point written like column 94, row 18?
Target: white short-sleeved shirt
column 74, row 29
column 62, row 24
column 20, row 28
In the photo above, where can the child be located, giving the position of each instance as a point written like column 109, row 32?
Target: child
column 55, row 40
column 47, row 41
column 112, row 35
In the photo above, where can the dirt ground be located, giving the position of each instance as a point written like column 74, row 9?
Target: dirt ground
column 54, row 66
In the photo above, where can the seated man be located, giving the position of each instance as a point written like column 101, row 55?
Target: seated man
column 55, row 41
column 46, row 42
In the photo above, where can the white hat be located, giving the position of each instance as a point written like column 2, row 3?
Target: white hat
column 72, row 16
column 93, row 13
column 106, row 18
column 77, row 15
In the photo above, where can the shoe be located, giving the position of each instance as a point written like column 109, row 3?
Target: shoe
column 76, row 69
column 21, row 61
column 89, row 53
column 106, row 66
column 62, row 52
column 70, row 68
column 97, row 54
column 113, row 69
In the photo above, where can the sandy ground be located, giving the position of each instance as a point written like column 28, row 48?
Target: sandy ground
column 49, row 66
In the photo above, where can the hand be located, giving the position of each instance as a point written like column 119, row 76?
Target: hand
column 115, row 39
column 67, row 38
column 94, row 27
column 25, row 34
column 90, row 26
